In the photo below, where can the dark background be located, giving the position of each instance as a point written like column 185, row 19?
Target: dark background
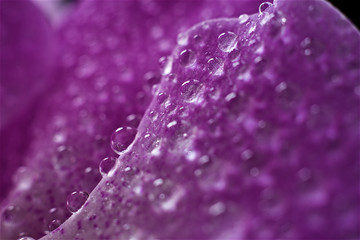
column 349, row 8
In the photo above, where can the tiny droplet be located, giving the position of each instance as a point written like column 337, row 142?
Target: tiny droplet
column 54, row 224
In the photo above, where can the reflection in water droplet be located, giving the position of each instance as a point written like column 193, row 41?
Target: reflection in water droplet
column 76, row 200
column 152, row 78
column 264, row 6
column 187, row 58
column 122, row 138
column 243, row 18
column 217, row 209
column 26, row 238
column 106, row 165
column 227, row 41
column 165, row 65
column 182, row 39
column 190, row 89
column 64, row 157
column 54, row 224
column 215, row 66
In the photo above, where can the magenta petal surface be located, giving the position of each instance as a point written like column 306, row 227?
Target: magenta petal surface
column 107, row 66
column 27, row 55
column 254, row 137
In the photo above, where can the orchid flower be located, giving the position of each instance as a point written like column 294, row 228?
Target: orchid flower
column 155, row 119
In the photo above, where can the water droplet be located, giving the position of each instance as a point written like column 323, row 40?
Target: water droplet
column 198, row 40
column 252, row 28
column 182, row 39
column 215, row 66
column 162, row 97
column 128, row 175
column 172, row 78
column 106, row 165
column 280, row 87
column 54, row 224
column 165, row 65
column 150, row 142
column 133, row 120
column 187, row 58
column 152, row 78
column 64, row 157
column 217, row 209
column 12, row 214
column 158, row 182
column 26, row 238
column 264, row 6
column 243, row 18
column 306, row 45
column 122, row 138
column 230, row 96
column 190, row 89
column 227, row 41
column 171, row 124
column 76, row 200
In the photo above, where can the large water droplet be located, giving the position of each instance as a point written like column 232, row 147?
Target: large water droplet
column 243, row 18
column 54, row 224
column 187, row 58
column 76, row 200
column 122, row 138
column 264, row 6
column 190, row 89
column 227, row 41
column 106, row 165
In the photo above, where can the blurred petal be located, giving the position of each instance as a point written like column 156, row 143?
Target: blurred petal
column 26, row 60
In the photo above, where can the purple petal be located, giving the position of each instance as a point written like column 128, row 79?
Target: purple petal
column 259, row 143
column 27, row 55
column 109, row 62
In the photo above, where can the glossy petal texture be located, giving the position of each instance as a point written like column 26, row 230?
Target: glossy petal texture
column 109, row 59
column 265, row 147
column 26, row 58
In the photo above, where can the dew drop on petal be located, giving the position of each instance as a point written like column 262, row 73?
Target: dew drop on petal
column 227, row 41
column 54, row 224
column 190, row 89
column 122, row 138
column 165, row 65
column 243, row 18
column 182, row 39
column 76, row 200
column 264, row 6
column 106, row 165
column 187, row 58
